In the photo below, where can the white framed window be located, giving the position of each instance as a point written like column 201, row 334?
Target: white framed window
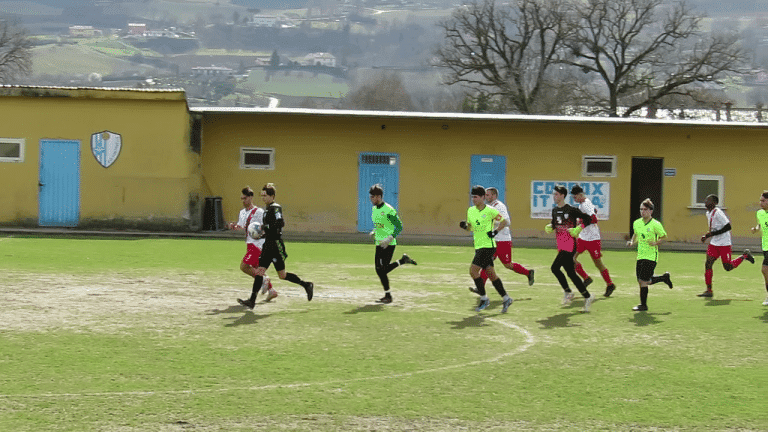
column 11, row 150
column 703, row 185
column 257, row 158
column 598, row 166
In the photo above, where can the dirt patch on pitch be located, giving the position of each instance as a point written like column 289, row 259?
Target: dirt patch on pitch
column 110, row 302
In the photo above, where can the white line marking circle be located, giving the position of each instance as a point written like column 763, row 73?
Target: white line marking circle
column 529, row 342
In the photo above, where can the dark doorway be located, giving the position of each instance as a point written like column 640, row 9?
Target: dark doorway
column 647, row 176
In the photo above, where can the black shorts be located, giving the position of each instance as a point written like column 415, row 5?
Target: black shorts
column 765, row 258
column 273, row 252
column 484, row 257
column 383, row 256
column 644, row 269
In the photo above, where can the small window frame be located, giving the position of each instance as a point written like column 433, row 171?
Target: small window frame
column 21, row 143
column 257, row 150
column 598, row 158
column 695, row 178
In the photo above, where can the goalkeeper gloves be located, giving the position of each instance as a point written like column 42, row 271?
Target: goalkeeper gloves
column 549, row 228
column 463, row 224
column 492, row 234
column 385, row 243
column 575, row 231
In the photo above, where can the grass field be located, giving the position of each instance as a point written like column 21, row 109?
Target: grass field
column 146, row 335
column 81, row 59
column 296, row 84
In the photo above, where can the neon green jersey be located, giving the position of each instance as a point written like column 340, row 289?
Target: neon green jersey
column 386, row 223
column 481, row 221
column 644, row 233
column 762, row 220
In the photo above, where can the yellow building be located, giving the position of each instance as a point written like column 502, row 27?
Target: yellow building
column 97, row 158
column 324, row 161
column 144, row 160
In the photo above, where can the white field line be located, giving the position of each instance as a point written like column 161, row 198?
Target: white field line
column 529, row 342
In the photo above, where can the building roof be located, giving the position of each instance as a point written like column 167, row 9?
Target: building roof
column 471, row 116
column 94, row 92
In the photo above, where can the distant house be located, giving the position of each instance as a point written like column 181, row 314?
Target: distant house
column 137, row 29
column 212, row 72
column 264, row 21
column 84, row 31
column 263, row 60
column 320, row 59
column 160, row 33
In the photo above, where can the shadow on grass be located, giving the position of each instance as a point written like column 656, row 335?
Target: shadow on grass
column 764, row 318
column 471, row 321
column 366, row 308
column 559, row 320
column 642, row 319
column 248, row 318
column 718, row 302
column 229, row 310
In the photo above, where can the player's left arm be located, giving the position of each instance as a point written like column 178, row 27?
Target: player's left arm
column 586, row 219
column 724, row 229
column 503, row 222
column 661, row 236
column 396, row 222
column 497, row 218
column 279, row 221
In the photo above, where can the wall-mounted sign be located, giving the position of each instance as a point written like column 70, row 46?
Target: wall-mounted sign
column 106, row 147
column 541, row 197
column 670, row 172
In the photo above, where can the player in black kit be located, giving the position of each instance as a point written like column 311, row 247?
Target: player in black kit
column 274, row 248
column 565, row 224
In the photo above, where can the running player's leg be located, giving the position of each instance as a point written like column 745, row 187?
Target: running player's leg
column 581, row 246
column 595, row 249
column 557, row 264
column 712, row 254
column 504, row 253
column 729, row 263
column 570, row 270
column 764, row 270
column 382, row 261
column 278, row 258
column 496, row 280
column 259, row 272
column 644, row 272
column 483, row 258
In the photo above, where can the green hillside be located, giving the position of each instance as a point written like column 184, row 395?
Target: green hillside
column 82, row 59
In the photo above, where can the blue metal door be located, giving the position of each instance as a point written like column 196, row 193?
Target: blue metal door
column 489, row 171
column 59, row 185
column 376, row 168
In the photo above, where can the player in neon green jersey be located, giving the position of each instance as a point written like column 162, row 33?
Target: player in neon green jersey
column 649, row 234
column 762, row 225
column 386, row 226
column 480, row 219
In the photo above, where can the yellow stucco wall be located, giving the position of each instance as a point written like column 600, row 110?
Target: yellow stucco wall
column 149, row 183
column 316, row 170
column 158, row 175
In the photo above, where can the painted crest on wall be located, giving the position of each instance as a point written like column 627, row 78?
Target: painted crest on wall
column 106, row 147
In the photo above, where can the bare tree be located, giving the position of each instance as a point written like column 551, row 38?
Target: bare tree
column 15, row 52
column 385, row 92
column 644, row 51
column 506, row 54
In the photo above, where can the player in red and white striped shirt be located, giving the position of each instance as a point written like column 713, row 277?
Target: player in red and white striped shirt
column 251, row 213
column 719, row 234
column 589, row 240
